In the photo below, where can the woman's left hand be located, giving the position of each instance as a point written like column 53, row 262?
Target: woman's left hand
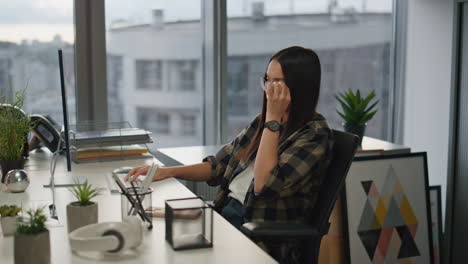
column 278, row 100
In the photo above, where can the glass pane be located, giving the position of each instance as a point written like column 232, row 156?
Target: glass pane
column 31, row 32
column 353, row 39
column 154, row 68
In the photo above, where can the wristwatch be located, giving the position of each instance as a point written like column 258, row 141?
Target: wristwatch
column 273, row 126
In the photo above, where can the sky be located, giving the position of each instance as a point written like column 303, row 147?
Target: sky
column 43, row 19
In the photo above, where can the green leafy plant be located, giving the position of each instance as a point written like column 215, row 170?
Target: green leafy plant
column 356, row 110
column 9, row 210
column 34, row 223
column 13, row 127
column 85, row 192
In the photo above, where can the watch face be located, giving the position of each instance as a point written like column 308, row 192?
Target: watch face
column 273, row 125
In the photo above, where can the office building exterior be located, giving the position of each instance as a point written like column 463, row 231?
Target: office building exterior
column 162, row 80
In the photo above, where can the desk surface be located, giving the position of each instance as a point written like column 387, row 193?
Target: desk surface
column 229, row 245
column 388, row 148
column 191, row 155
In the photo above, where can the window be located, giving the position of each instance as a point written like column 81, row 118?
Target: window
column 162, row 123
column 114, row 83
column 238, row 77
column 159, row 53
column 183, row 75
column 243, row 93
column 148, row 74
column 153, row 120
column 188, row 125
column 353, row 41
column 31, row 32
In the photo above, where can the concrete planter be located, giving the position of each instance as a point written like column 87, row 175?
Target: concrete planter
column 78, row 216
column 32, row 248
column 9, row 225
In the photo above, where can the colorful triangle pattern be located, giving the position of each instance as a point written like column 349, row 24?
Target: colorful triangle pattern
column 388, row 224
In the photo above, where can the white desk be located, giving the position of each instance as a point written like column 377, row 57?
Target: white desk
column 191, row 155
column 229, row 245
column 387, row 148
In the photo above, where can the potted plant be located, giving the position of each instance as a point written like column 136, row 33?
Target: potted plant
column 83, row 211
column 32, row 242
column 356, row 111
column 9, row 218
column 14, row 128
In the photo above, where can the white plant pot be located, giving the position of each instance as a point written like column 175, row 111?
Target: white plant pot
column 32, row 248
column 78, row 216
column 9, row 225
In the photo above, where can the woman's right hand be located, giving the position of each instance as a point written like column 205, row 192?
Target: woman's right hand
column 278, row 100
column 160, row 174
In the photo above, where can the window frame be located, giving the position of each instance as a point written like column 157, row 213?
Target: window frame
column 90, row 61
column 92, row 102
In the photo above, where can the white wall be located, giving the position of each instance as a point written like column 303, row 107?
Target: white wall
column 428, row 80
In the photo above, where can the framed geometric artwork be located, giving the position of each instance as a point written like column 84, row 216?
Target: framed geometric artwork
column 386, row 210
column 436, row 222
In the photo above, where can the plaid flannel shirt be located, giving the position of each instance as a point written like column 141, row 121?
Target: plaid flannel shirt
column 291, row 189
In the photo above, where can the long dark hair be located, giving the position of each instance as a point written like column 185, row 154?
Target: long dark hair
column 302, row 74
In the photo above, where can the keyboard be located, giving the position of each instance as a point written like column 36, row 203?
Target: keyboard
column 121, row 175
column 141, row 184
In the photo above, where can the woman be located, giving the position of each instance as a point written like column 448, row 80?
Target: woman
column 273, row 169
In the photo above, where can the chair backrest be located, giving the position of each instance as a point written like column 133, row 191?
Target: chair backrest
column 343, row 152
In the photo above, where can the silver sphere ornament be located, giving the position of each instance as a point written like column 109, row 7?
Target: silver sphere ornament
column 17, row 180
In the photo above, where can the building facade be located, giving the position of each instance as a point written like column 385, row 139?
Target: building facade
column 162, row 68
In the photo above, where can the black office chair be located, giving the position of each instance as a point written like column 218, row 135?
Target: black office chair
column 311, row 234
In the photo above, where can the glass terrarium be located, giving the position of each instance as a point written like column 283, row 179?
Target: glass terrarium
column 189, row 223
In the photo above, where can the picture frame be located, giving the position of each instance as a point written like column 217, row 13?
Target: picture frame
column 436, row 221
column 386, row 210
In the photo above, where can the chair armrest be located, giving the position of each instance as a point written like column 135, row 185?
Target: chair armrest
column 272, row 230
